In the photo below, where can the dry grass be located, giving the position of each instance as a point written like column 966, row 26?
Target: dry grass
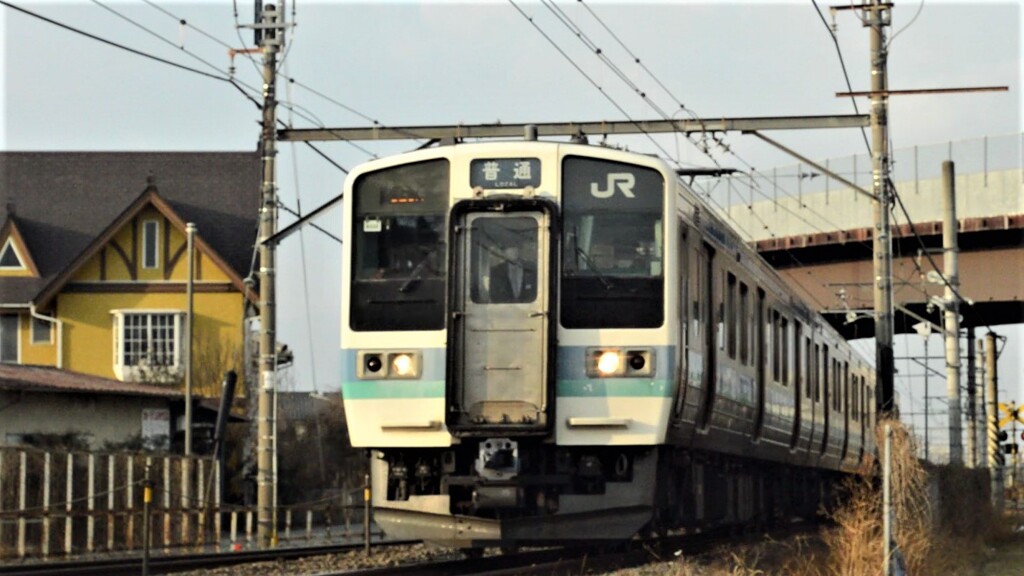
column 931, row 539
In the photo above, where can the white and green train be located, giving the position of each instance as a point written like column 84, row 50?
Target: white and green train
column 546, row 342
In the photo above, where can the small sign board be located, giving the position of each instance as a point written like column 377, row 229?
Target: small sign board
column 156, row 427
column 504, row 173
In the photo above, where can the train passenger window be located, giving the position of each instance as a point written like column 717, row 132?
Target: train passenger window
column 836, row 386
column 824, row 371
column 744, row 322
column 846, row 386
column 808, row 367
column 776, row 344
column 797, row 358
column 787, row 357
column 732, row 318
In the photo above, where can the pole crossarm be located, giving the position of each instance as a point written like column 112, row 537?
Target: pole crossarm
column 602, row 128
column 815, row 165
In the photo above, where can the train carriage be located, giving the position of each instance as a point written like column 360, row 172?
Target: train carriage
column 549, row 342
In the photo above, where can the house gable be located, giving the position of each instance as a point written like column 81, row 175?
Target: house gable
column 15, row 258
column 144, row 250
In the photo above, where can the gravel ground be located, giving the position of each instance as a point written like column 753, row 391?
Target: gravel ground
column 353, row 560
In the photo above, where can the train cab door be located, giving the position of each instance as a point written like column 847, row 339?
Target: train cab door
column 500, row 337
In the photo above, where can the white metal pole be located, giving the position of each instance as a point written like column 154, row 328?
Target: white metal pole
column 190, row 232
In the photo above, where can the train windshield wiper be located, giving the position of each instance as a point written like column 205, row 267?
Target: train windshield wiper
column 593, row 268
column 417, row 271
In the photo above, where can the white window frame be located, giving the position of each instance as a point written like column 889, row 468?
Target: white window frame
column 156, row 244
column 10, row 243
column 49, row 331
column 129, row 369
column 17, row 339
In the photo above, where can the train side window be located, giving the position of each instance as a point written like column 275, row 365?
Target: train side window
column 720, row 315
column 836, row 386
column 824, row 370
column 744, row 322
column 846, row 386
column 855, row 408
column 732, row 318
column 787, row 356
column 773, row 328
column 808, row 367
column 798, row 376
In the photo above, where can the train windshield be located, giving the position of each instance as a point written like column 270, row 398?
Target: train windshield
column 398, row 249
column 612, row 245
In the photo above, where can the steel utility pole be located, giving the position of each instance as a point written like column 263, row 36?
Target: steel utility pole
column 878, row 16
column 972, row 399
column 951, row 327
column 272, row 40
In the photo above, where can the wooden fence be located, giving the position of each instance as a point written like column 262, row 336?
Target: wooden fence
column 65, row 504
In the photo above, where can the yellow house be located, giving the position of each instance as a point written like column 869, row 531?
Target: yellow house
column 94, row 266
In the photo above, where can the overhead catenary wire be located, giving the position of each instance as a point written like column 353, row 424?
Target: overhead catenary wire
column 587, row 76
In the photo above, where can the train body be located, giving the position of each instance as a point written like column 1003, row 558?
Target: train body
column 549, row 342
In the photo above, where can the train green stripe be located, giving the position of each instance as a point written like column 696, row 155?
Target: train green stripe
column 392, row 389
column 615, row 388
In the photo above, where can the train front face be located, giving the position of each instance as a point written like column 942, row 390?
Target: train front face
column 507, row 355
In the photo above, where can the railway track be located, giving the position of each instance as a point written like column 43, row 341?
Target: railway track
column 572, row 561
column 176, row 563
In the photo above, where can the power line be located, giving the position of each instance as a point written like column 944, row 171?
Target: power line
column 842, row 63
column 114, row 44
column 585, row 75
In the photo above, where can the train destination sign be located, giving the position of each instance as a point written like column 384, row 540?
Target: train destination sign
column 500, row 173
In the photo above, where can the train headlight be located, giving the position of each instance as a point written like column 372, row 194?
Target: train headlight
column 403, row 365
column 388, row 365
column 608, row 363
column 618, row 363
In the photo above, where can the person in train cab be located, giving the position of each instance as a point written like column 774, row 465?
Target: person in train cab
column 513, row 279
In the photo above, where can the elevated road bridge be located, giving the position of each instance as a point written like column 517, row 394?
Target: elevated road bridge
column 818, row 233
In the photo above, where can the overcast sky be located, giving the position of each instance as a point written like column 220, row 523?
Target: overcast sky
column 414, row 63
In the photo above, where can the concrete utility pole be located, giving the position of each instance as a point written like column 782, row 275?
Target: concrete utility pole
column 992, row 418
column 951, row 305
column 272, row 40
column 878, row 16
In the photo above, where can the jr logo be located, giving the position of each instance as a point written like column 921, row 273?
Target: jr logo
column 623, row 180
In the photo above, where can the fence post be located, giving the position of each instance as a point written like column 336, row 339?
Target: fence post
column 309, row 525
column 366, row 515
column 201, row 493
column 186, row 493
column 22, row 487
column 90, row 521
column 288, row 525
column 45, row 544
column 248, row 528
column 216, row 502
column 234, row 529
column 129, row 497
column 167, row 503
column 1, row 504
column 111, row 472
column 68, row 504
column 147, row 497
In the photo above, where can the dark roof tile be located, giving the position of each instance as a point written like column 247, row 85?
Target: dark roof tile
column 46, row 379
column 62, row 201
